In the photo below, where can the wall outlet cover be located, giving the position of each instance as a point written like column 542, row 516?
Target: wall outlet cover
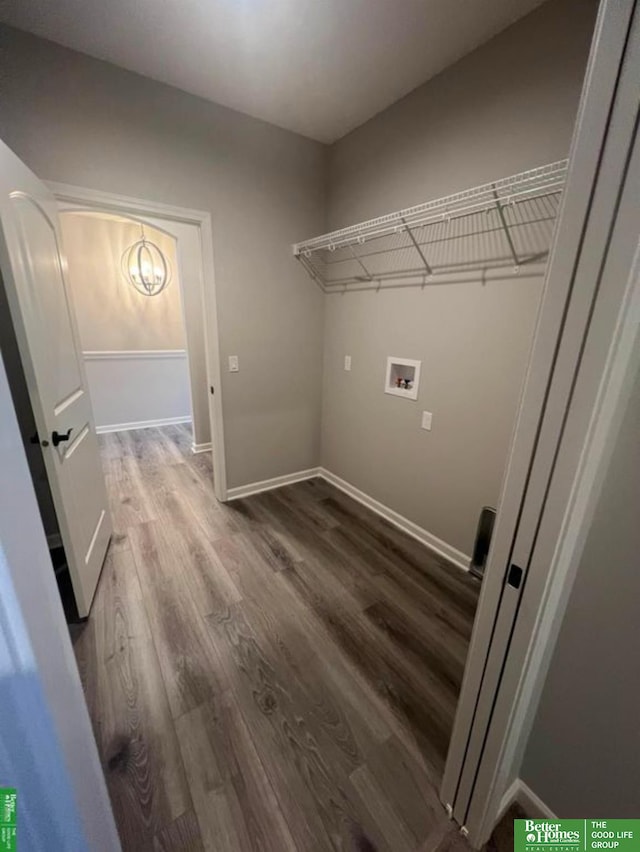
column 427, row 417
column 347, row 362
column 234, row 365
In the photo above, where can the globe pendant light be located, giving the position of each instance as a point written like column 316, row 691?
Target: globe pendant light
column 145, row 267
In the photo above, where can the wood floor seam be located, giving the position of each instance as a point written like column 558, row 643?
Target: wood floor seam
column 276, row 674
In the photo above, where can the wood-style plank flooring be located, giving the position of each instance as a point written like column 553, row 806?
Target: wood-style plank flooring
column 278, row 673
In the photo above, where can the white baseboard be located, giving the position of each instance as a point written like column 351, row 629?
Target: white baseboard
column 269, row 484
column 510, row 796
column 201, row 448
column 530, row 802
column 450, row 553
column 141, row 424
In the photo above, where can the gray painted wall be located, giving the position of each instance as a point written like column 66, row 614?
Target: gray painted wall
column 501, row 109
column 78, row 120
column 110, row 312
column 588, row 712
column 506, row 107
column 112, row 316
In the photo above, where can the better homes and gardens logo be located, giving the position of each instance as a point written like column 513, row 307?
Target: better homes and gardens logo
column 576, row 835
column 8, row 800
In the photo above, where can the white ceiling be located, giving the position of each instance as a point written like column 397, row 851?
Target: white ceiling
column 318, row 67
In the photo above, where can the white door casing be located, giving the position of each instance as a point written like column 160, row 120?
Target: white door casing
column 34, row 273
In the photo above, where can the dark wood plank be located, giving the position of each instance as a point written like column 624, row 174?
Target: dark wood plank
column 206, row 576
column 130, row 713
column 419, row 701
column 183, row 835
column 196, row 492
column 190, row 665
column 227, row 778
column 317, row 547
column 402, row 780
column 129, row 499
column 398, row 837
column 276, row 673
column 458, row 586
column 287, row 749
column 424, row 646
column 304, row 645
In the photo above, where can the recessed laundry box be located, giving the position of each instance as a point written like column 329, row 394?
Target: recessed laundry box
column 402, row 377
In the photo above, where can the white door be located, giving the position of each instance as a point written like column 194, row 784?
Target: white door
column 33, row 269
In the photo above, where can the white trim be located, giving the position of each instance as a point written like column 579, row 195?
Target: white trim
column 437, row 545
column 96, row 199
column 510, row 796
column 71, row 197
column 530, row 802
column 141, row 424
column 201, row 448
column 132, row 354
column 270, row 484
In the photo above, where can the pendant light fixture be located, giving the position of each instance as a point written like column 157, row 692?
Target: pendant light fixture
column 145, row 266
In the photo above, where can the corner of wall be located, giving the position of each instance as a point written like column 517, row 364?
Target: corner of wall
column 520, row 793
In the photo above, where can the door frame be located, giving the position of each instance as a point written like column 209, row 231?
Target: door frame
column 72, row 198
column 509, row 653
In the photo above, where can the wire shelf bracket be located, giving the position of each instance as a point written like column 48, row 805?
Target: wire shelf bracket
column 505, row 223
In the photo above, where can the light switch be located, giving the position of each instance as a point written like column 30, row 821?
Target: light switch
column 234, row 366
column 347, row 362
column 426, row 420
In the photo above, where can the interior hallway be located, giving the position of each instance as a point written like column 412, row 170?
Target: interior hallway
column 278, row 673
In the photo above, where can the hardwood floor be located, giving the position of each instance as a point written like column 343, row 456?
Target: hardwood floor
column 278, row 673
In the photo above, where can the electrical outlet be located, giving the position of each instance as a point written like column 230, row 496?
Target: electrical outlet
column 426, row 420
column 347, row 362
column 234, row 366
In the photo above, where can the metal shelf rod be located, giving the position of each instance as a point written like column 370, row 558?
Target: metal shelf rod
column 357, row 259
column 324, row 242
column 418, row 249
column 546, row 180
column 317, row 254
column 505, row 228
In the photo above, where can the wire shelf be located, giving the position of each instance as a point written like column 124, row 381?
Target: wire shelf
column 506, row 223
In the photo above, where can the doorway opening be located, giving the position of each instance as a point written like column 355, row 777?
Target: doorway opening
column 191, row 309
column 135, row 346
column 148, row 361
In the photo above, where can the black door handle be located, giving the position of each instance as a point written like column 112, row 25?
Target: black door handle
column 57, row 438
